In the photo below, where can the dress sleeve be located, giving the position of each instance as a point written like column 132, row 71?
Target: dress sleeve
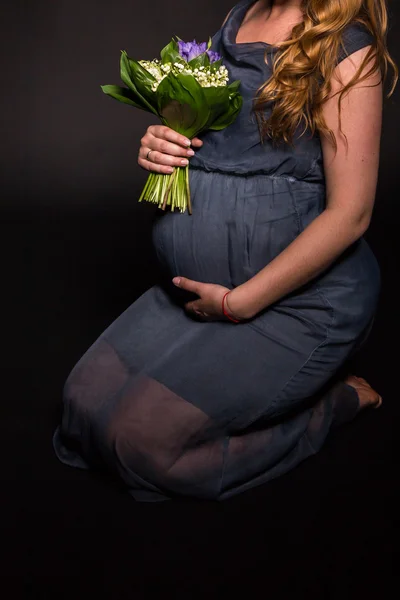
column 355, row 37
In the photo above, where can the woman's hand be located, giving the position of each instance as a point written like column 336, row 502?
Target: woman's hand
column 168, row 147
column 209, row 306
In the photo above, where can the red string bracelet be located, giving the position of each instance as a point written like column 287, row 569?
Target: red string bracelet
column 224, row 311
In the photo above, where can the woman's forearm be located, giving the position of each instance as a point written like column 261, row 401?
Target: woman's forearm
column 317, row 246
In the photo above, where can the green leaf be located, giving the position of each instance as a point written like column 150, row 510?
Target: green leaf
column 122, row 94
column 182, row 104
column 143, row 80
column 202, row 60
column 170, row 53
column 234, row 86
column 217, row 99
column 229, row 116
column 216, row 64
column 180, row 117
column 223, row 106
column 128, row 78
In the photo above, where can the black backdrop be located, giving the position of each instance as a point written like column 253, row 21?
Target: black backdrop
column 75, row 253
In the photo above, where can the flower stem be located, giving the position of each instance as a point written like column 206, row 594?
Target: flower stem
column 146, row 187
column 189, row 203
column 172, row 189
column 168, row 189
column 176, row 198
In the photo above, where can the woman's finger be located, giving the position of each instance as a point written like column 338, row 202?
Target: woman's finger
column 169, row 149
column 164, row 169
column 160, row 162
column 197, row 142
column 163, row 132
column 166, row 133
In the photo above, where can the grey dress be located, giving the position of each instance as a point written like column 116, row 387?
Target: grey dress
column 175, row 406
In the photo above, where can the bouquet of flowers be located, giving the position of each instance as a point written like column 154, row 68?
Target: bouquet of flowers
column 187, row 89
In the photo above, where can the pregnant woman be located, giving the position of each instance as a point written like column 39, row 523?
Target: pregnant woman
column 231, row 369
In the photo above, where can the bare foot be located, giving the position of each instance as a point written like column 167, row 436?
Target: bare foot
column 366, row 394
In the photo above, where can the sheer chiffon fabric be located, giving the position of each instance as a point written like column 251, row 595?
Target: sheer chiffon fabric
column 161, row 445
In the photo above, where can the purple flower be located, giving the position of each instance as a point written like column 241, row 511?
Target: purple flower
column 213, row 56
column 190, row 50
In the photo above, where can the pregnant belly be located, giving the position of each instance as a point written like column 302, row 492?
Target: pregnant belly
column 239, row 224
column 235, row 229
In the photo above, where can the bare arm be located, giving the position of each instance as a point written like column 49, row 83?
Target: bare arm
column 351, row 178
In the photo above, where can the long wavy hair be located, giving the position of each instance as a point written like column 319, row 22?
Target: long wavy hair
column 302, row 69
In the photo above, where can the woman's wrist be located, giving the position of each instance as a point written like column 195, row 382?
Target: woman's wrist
column 235, row 305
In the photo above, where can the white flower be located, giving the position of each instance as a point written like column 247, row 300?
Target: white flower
column 206, row 78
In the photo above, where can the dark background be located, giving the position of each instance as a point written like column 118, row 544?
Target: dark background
column 75, row 253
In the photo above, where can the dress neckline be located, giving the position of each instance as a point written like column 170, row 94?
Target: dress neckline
column 232, row 26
